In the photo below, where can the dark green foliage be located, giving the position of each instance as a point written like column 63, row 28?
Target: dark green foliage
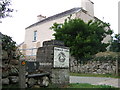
column 115, row 44
column 9, row 46
column 10, row 86
column 84, row 39
column 4, row 8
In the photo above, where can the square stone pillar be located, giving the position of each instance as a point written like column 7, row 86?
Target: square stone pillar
column 53, row 57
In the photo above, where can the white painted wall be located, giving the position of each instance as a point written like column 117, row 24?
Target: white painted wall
column 43, row 30
column 44, row 33
column 88, row 6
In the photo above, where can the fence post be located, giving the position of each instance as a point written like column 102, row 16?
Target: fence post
column 118, row 61
column 22, row 79
column 116, row 67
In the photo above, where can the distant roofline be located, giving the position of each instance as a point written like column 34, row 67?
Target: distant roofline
column 101, row 21
column 68, row 12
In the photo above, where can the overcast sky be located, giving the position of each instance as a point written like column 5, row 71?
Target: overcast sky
column 27, row 11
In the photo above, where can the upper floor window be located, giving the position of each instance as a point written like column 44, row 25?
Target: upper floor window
column 35, row 36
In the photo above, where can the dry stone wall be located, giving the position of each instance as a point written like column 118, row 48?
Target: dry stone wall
column 94, row 67
column 10, row 72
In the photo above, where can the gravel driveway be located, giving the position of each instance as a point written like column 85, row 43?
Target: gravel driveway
column 96, row 80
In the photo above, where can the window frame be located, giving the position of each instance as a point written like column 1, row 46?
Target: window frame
column 35, row 35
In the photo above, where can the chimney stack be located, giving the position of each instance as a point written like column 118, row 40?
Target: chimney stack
column 88, row 6
column 40, row 17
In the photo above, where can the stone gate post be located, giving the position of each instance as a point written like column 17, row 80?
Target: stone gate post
column 53, row 57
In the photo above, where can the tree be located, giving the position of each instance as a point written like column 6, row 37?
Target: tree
column 115, row 43
column 4, row 8
column 84, row 39
column 9, row 46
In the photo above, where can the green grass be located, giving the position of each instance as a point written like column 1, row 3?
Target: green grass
column 83, row 85
column 86, row 85
column 72, row 85
column 94, row 75
column 10, row 86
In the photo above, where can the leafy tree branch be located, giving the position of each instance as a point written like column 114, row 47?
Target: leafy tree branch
column 84, row 39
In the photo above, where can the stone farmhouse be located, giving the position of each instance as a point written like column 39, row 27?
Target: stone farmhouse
column 39, row 32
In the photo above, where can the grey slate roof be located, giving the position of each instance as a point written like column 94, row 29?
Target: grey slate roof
column 68, row 12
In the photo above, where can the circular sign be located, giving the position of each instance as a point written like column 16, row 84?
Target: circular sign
column 61, row 57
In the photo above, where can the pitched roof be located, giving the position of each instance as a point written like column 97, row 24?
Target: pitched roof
column 68, row 12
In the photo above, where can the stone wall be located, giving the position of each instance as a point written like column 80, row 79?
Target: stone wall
column 57, row 77
column 9, row 72
column 94, row 67
column 61, row 77
column 31, row 76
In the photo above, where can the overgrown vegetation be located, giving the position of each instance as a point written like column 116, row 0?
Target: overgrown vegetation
column 4, row 8
column 9, row 48
column 84, row 39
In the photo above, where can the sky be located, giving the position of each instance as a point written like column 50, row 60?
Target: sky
column 26, row 11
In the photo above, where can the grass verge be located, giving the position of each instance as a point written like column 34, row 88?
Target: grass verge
column 94, row 75
column 86, row 85
column 72, row 85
